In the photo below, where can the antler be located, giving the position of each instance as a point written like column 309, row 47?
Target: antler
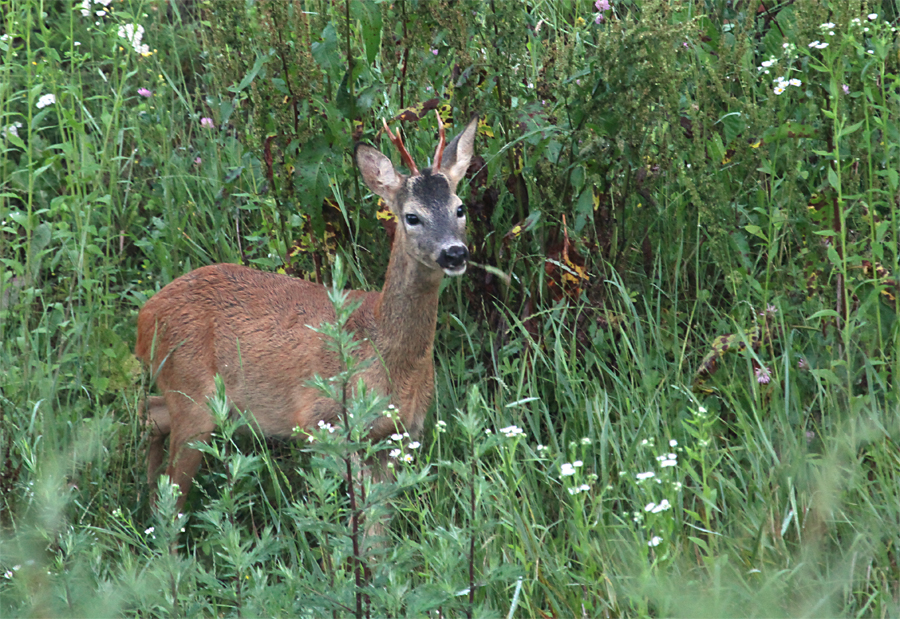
column 439, row 153
column 404, row 154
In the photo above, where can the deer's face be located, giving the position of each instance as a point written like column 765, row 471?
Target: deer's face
column 433, row 221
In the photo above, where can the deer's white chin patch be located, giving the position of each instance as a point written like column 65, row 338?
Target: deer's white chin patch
column 457, row 271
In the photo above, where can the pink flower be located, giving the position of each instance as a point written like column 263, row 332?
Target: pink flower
column 762, row 376
column 145, row 92
column 434, row 51
column 198, row 161
column 846, row 89
column 207, row 122
column 602, row 5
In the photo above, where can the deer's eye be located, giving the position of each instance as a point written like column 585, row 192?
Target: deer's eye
column 460, row 211
column 412, row 220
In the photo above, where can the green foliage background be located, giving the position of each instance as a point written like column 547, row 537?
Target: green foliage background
column 669, row 244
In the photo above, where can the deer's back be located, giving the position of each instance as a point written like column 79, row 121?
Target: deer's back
column 252, row 328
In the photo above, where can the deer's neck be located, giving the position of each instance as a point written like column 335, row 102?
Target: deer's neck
column 406, row 313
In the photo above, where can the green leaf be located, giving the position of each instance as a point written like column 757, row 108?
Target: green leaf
column 248, row 79
column 325, row 51
column 833, row 179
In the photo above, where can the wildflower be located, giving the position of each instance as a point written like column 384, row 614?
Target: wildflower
column 779, row 89
column 512, row 431
column 407, row 458
column 394, row 453
column 441, row 425
column 85, row 8
column 676, row 486
column 396, row 437
column 673, row 443
column 8, row 574
column 566, row 469
column 326, row 426
column 846, row 89
column 578, row 464
column 434, row 51
column 602, row 5
column 826, row 26
column 542, row 448
column 802, row 364
column 872, row 16
column 653, row 508
column 207, row 122
column 45, row 100
column 578, row 489
column 12, row 129
column 198, row 160
column 414, row 445
column 586, row 440
column 869, row 51
column 144, row 92
column 647, row 475
column 149, row 531
column 654, row 541
column 762, row 376
column 133, row 33
column 798, row 83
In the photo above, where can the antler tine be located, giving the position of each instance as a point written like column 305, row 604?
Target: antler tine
column 404, row 154
column 439, row 153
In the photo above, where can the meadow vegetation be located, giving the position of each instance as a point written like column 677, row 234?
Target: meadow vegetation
column 667, row 384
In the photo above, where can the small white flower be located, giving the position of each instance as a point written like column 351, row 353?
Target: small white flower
column 663, row 506
column 85, row 7
column 586, row 440
column 676, row 486
column 566, row 469
column 795, row 82
column 821, row 45
column 12, row 129
column 647, row 475
column 8, row 574
column 542, row 448
column 149, row 531
column 578, row 464
column 394, row 453
column 673, row 443
column 396, row 437
column 654, row 541
column 414, row 445
column 512, row 431
column 407, row 458
column 872, row 16
column 45, row 100
column 441, row 423
column 649, row 507
column 827, row 26
column 667, row 463
column 869, row 51
column 814, row 43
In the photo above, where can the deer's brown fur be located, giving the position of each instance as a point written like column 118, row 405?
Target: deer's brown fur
column 252, row 328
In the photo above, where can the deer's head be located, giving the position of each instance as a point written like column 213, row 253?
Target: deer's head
column 431, row 219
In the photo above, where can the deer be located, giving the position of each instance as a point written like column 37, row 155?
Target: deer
column 255, row 329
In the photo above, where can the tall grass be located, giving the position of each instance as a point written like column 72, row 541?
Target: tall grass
column 666, row 386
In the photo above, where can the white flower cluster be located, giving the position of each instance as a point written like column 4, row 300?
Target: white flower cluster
column 781, row 84
column 133, row 33
column 654, row 508
column 667, row 460
column 45, row 100
column 578, row 489
column 86, row 7
column 12, row 129
column 568, row 468
column 512, row 431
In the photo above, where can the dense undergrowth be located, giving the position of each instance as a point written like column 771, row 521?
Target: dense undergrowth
column 667, row 385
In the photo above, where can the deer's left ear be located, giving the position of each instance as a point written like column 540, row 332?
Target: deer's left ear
column 458, row 153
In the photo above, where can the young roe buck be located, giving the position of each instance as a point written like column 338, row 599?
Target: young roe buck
column 253, row 328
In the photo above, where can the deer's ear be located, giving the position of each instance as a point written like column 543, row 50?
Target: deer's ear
column 458, row 154
column 378, row 172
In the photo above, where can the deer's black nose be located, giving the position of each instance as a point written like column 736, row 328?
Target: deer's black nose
column 453, row 257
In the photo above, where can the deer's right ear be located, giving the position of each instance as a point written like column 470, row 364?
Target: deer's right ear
column 378, row 172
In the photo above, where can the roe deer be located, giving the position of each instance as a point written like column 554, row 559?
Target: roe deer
column 252, row 327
